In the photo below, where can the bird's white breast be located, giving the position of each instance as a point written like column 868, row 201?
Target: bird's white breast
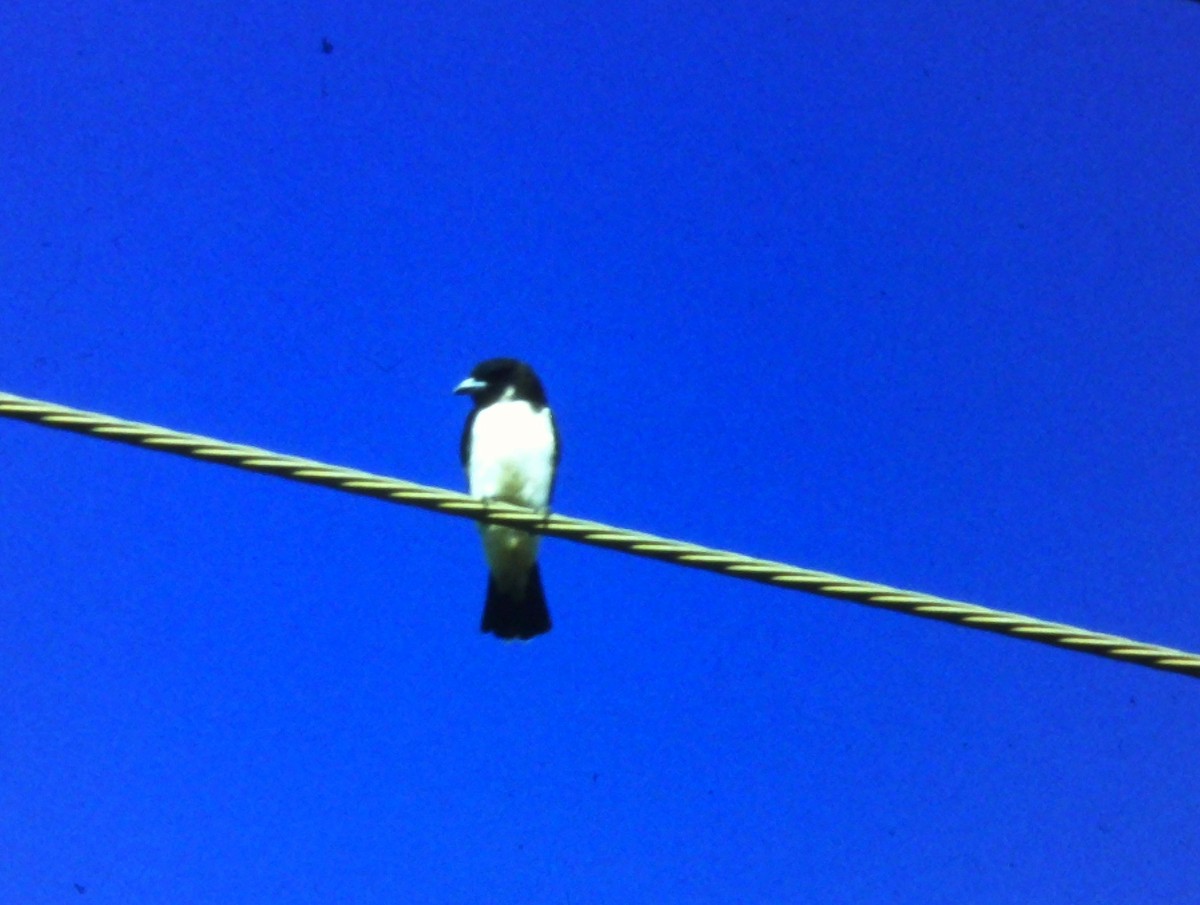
column 512, row 454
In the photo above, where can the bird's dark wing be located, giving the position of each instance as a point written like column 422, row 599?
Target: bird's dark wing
column 557, row 453
column 464, row 443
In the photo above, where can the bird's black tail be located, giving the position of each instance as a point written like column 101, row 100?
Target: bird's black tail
column 523, row 616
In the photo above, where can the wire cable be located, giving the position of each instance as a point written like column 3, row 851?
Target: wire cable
column 736, row 565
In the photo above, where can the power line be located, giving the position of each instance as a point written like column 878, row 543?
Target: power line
column 736, row 565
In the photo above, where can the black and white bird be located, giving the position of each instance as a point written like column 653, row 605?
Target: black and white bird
column 510, row 451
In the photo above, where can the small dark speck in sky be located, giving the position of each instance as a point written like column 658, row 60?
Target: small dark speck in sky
column 326, row 46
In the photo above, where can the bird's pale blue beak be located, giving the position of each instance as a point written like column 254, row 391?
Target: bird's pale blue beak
column 469, row 387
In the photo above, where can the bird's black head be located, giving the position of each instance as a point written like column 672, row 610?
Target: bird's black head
column 498, row 378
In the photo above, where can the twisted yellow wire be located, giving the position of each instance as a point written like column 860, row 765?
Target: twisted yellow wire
column 736, row 565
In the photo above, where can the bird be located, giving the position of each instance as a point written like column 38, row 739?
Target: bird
column 510, row 450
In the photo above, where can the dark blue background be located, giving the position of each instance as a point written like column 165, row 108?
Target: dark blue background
column 908, row 292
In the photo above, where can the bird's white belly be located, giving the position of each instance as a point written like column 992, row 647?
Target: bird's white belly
column 512, row 454
column 512, row 460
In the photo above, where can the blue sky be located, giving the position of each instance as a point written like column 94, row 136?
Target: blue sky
column 903, row 292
